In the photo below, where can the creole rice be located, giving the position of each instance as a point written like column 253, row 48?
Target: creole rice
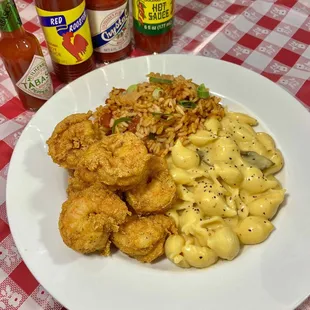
column 160, row 111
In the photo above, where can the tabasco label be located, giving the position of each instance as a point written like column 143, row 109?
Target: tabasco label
column 37, row 82
column 67, row 34
column 153, row 17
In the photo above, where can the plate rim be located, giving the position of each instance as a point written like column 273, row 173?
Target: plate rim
column 9, row 183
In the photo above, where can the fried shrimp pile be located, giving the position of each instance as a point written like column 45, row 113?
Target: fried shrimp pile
column 89, row 217
column 157, row 194
column 119, row 161
column 70, row 138
column 143, row 238
column 93, row 211
column 109, row 173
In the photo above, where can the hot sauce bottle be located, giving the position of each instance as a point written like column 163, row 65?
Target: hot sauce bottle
column 109, row 24
column 23, row 59
column 67, row 33
column 153, row 22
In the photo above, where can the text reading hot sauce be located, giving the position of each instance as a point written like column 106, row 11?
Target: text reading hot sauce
column 153, row 22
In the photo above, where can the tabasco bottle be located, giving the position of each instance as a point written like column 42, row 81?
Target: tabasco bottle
column 67, row 33
column 109, row 25
column 23, row 59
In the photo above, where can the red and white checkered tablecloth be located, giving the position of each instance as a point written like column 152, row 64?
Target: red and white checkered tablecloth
column 271, row 37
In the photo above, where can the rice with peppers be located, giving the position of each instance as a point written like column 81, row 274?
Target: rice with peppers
column 160, row 111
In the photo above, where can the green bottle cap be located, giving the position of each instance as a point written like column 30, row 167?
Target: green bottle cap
column 9, row 17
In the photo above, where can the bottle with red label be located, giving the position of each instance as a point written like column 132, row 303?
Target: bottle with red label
column 23, row 59
column 67, row 33
column 109, row 24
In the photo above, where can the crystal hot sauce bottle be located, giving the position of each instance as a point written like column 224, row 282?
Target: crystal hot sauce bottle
column 109, row 24
column 153, row 22
column 67, row 33
column 23, row 59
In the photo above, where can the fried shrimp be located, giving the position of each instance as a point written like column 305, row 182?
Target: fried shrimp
column 75, row 185
column 157, row 194
column 119, row 161
column 143, row 238
column 89, row 217
column 70, row 138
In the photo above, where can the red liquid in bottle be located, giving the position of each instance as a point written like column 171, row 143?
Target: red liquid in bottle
column 67, row 33
column 23, row 59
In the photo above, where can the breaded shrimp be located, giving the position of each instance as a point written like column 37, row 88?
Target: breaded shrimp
column 70, row 138
column 119, row 161
column 89, row 217
column 75, row 185
column 157, row 194
column 143, row 238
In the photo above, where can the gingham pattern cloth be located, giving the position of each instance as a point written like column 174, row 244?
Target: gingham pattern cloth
column 271, row 37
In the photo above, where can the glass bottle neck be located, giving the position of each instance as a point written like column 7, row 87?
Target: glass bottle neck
column 20, row 32
column 9, row 18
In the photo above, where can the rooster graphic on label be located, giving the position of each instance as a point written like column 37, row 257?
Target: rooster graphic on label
column 74, row 44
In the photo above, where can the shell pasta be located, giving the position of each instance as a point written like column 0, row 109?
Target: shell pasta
column 227, row 191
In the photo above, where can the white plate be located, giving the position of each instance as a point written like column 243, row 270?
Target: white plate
column 273, row 275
